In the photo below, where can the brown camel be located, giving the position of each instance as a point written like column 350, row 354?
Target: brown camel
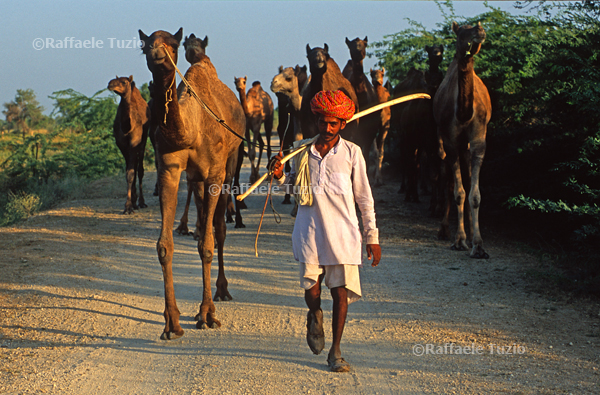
column 130, row 130
column 195, row 51
column 195, row 48
column 325, row 74
column 189, row 139
column 369, row 125
column 462, row 110
column 287, row 86
column 383, row 124
column 258, row 108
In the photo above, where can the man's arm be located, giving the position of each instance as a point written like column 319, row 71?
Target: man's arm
column 364, row 199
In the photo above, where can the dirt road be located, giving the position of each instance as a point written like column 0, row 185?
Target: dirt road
column 81, row 301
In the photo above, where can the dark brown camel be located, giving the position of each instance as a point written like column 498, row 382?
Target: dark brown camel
column 383, row 124
column 462, row 110
column 189, row 139
column 130, row 130
column 287, row 86
column 325, row 74
column 416, row 125
column 413, row 83
column 369, row 125
column 433, row 164
column 258, row 107
column 195, row 48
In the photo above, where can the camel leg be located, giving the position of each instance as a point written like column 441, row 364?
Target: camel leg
column 208, row 198
column 261, row 148
column 268, row 132
column 381, row 136
column 183, row 229
column 140, row 172
column 239, row 205
column 169, row 183
column 477, row 154
column 460, row 243
column 251, row 152
column 221, row 292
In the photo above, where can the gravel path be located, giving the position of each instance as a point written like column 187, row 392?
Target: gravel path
column 81, row 311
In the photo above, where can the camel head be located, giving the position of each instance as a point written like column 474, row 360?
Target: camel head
column 468, row 39
column 195, row 48
column 155, row 48
column 358, row 48
column 317, row 58
column 435, row 54
column 240, row 83
column 377, row 76
column 285, row 81
column 121, row 85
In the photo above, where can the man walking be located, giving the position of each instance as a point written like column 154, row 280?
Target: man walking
column 329, row 179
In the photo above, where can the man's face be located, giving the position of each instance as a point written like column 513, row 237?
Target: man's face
column 329, row 127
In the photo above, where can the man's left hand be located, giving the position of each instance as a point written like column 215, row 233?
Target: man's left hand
column 374, row 250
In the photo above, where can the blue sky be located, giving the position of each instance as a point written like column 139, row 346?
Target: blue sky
column 246, row 38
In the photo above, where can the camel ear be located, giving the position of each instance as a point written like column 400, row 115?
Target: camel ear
column 179, row 35
column 383, row 70
column 205, row 41
column 308, row 49
column 370, row 70
column 326, row 47
column 441, row 48
column 366, row 39
column 143, row 37
column 116, row 77
column 455, row 27
column 280, row 68
column 347, row 41
column 427, row 48
column 130, row 78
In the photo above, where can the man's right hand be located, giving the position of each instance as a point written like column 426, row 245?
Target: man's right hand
column 276, row 165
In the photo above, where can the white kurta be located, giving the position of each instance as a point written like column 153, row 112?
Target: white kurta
column 327, row 232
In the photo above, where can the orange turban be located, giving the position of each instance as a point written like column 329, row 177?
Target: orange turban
column 332, row 104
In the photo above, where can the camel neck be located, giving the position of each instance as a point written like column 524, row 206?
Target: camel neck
column 465, row 89
column 244, row 101
column 166, row 111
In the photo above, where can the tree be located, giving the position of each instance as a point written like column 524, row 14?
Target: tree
column 24, row 113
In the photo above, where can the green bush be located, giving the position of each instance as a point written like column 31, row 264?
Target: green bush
column 20, row 206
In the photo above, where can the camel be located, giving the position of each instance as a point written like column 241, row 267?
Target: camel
column 189, row 139
column 385, row 115
column 462, row 110
column 195, row 48
column 130, row 130
column 370, row 125
column 412, row 83
column 325, row 74
column 287, row 86
column 416, row 126
column 258, row 107
column 433, row 78
column 195, row 51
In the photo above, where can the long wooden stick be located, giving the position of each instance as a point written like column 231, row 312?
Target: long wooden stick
column 355, row 117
